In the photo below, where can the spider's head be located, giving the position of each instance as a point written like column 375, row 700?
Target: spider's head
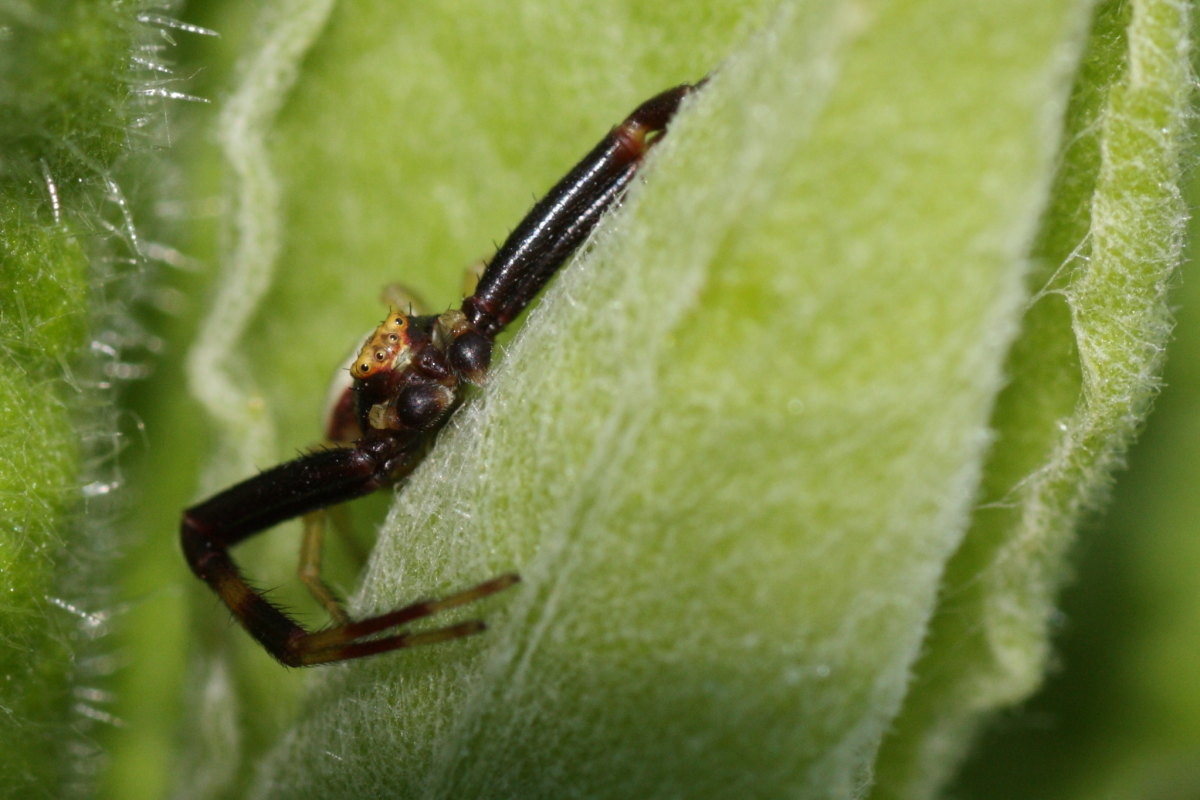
column 388, row 348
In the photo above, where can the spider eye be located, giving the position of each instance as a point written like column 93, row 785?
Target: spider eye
column 380, row 355
column 393, row 337
column 364, row 367
column 398, row 321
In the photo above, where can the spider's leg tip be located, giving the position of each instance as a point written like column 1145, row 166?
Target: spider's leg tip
column 499, row 583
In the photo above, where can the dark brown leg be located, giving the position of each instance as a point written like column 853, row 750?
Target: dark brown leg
column 347, row 641
column 561, row 220
column 314, row 481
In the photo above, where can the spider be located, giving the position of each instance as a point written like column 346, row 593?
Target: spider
column 406, row 381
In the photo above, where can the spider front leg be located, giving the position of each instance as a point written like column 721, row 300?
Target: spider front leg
column 563, row 219
column 297, row 487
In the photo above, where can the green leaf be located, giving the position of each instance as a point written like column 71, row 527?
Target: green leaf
column 64, row 87
column 41, row 282
column 763, row 431
column 1083, row 374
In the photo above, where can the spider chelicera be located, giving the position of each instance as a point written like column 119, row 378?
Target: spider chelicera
column 408, row 378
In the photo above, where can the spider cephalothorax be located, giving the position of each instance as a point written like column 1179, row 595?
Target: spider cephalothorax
column 402, row 379
column 405, row 382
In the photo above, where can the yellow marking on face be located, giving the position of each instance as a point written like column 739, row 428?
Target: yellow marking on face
column 385, row 349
